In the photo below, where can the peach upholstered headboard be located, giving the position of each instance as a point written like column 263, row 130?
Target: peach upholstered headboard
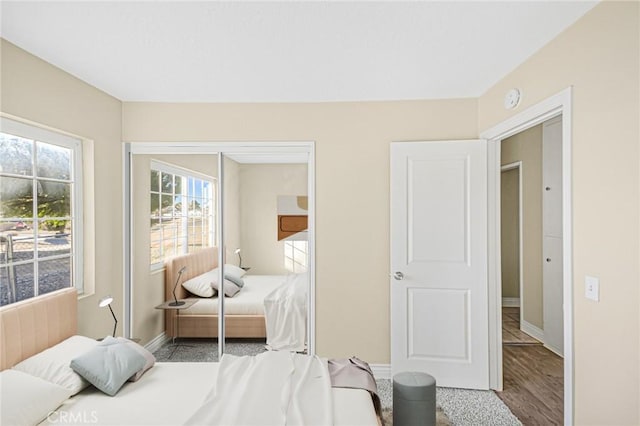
column 197, row 263
column 33, row 325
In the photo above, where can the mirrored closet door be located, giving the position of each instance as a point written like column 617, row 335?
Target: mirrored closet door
column 218, row 248
column 266, row 241
column 173, row 240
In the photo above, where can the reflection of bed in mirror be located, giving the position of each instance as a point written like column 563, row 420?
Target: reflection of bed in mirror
column 244, row 312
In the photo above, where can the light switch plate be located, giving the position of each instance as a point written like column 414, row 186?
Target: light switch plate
column 592, row 288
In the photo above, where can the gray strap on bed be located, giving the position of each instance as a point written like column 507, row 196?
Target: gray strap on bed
column 354, row 373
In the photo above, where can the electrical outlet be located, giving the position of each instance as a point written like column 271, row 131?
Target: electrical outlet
column 592, row 288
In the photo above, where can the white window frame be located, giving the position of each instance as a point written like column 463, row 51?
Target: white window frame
column 186, row 174
column 290, row 250
column 38, row 134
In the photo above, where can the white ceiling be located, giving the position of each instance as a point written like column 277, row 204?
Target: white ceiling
column 287, row 51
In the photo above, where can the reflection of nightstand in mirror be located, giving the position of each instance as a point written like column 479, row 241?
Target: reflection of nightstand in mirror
column 133, row 339
column 167, row 306
column 246, row 268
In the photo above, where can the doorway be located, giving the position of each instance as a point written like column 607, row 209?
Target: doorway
column 531, row 253
column 557, row 105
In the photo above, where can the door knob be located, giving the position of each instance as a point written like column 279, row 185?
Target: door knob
column 548, row 259
column 398, row 275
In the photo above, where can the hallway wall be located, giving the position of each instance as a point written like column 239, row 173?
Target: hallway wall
column 527, row 147
column 510, row 233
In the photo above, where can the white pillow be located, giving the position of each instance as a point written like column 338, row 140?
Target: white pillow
column 27, row 400
column 230, row 269
column 52, row 364
column 201, row 285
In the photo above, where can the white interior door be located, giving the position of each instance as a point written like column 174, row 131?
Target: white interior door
column 439, row 293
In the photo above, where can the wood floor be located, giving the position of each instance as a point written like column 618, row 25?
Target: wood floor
column 511, row 334
column 533, row 377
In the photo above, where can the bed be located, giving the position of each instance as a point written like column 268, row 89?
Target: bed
column 167, row 394
column 244, row 312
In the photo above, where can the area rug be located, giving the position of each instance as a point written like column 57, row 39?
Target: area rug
column 459, row 407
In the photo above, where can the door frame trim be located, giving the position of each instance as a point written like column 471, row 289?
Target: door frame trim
column 518, row 165
column 560, row 103
column 131, row 148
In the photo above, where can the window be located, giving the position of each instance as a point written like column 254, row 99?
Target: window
column 295, row 256
column 181, row 211
column 40, row 212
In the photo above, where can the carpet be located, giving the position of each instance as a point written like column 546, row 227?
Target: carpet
column 460, row 407
column 441, row 417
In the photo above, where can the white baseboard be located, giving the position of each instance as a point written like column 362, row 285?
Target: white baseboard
column 381, row 371
column 532, row 330
column 554, row 350
column 158, row 341
column 511, row 302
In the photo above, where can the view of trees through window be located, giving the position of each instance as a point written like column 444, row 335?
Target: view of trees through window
column 181, row 213
column 36, row 217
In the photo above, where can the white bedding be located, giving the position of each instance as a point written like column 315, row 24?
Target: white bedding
column 169, row 394
column 249, row 301
column 280, row 387
column 286, row 314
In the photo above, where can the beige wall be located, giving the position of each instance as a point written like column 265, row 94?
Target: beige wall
column 352, row 190
column 34, row 90
column 599, row 57
column 259, row 189
column 510, row 233
column 232, row 209
column 527, row 147
column 147, row 285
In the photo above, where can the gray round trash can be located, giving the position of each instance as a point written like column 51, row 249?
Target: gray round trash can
column 414, row 399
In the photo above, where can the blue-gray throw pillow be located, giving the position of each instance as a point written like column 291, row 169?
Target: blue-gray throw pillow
column 109, row 365
column 235, row 279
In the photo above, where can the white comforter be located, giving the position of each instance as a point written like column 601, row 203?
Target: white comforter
column 285, row 314
column 273, row 388
column 171, row 392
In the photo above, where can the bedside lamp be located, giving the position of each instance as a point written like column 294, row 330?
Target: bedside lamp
column 240, row 257
column 106, row 301
column 176, row 302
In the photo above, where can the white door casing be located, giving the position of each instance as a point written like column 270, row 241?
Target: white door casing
column 560, row 103
column 439, row 303
column 293, row 148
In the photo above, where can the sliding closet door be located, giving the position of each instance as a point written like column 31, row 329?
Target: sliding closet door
column 234, row 275
column 239, row 214
column 266, row 285
column 173, row 219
